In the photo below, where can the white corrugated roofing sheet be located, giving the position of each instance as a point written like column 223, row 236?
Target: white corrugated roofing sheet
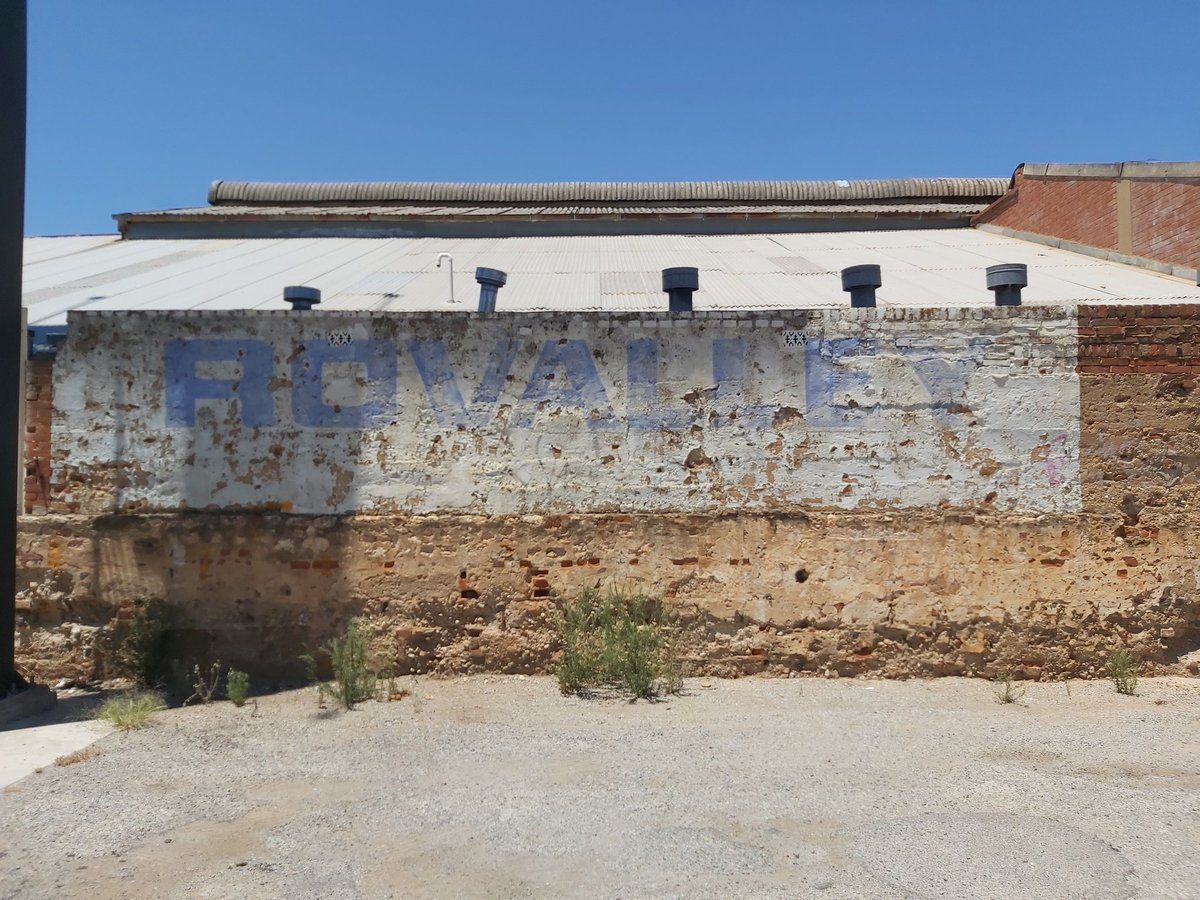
column 921, row 268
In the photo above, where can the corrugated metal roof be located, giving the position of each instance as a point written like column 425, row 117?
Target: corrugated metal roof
column 565, row 209
column 921, row 268
column 392, row 192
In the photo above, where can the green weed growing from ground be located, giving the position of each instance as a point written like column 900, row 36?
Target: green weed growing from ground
column 132, row 710
column 237, row 687
column 618, row 638
column 1123, row 670
column 1007, row 690
column 353, row 681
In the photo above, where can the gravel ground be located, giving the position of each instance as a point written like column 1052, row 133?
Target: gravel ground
column 499, row 787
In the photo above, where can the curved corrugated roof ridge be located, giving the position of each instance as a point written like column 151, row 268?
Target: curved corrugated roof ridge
column 269, row 192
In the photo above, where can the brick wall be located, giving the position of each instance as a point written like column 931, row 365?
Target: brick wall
column 1155, row 215
column 1074, row 209
column 39, row 400
column 1166, row 220
column 1149, row 340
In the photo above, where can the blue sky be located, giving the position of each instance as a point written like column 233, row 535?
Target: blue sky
column 139, row 104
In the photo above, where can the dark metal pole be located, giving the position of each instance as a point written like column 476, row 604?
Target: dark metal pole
column 13, row 30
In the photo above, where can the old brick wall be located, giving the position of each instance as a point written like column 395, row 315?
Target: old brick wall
column 885, row 491
column 1140, row 210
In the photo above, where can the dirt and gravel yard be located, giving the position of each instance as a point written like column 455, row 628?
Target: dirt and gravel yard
column 500, row 787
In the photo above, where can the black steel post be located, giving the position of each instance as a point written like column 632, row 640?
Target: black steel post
column 13, row 30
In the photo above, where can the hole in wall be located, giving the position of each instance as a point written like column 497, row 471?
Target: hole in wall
column 801, row 576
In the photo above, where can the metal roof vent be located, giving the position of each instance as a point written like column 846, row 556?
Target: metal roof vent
column 490, row 282
column 861, row 282
column 301, row 297
column 680, row 283
column 1006, row 280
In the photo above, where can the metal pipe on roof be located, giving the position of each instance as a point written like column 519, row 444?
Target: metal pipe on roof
column 440, row 257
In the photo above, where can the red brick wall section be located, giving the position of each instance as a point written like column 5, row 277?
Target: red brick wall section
column 39, row 399
column 1082, row 210
column 1140, row 340
column 1166, row 221
column 1164, row 215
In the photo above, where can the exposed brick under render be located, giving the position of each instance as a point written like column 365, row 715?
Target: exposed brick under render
column 1149, row 340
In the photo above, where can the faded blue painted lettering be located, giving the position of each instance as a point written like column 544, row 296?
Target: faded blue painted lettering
column 730, row 396
column 250, row 388
column 643, row 411
column 825, row 377
column 441, row 384
column 945, row 379
column 581, row 388
column 308, row 402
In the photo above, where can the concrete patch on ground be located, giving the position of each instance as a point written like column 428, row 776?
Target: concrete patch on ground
column 37, row 741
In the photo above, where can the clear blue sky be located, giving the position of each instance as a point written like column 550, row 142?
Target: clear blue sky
column 139, row 104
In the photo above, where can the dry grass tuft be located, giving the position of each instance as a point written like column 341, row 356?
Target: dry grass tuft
column 69, row 759
column 130, row 711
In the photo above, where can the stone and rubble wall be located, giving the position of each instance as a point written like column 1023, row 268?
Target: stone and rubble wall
column 39, row 399
column 891, row 491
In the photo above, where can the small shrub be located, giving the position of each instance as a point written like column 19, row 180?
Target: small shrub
column 1123, row 670
column 237, row 687
column 204, row 687
column 131, row 710
column 618, row 639
column 1007, row 690
column 151, row 643
column 353, row 681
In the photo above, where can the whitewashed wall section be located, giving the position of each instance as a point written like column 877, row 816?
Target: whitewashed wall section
column 331, row 413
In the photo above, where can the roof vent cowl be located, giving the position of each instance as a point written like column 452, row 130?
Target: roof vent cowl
column 301, row 297
column 680, row 283
column 861, row 282
column 1007, row 279
column 490, row 282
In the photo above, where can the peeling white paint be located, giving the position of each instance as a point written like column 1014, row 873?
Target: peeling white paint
column 699, row 413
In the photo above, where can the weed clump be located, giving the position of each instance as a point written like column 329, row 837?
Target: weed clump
column 150, row 644
column 1123, row 670
column 1007, row 690
column 619, row 639
column 353, row 681
column 131, row 710
column 237, row 687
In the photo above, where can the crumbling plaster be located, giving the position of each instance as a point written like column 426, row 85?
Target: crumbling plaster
column 857, row 491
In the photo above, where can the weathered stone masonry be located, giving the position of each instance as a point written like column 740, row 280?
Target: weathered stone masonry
column 939, row 491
